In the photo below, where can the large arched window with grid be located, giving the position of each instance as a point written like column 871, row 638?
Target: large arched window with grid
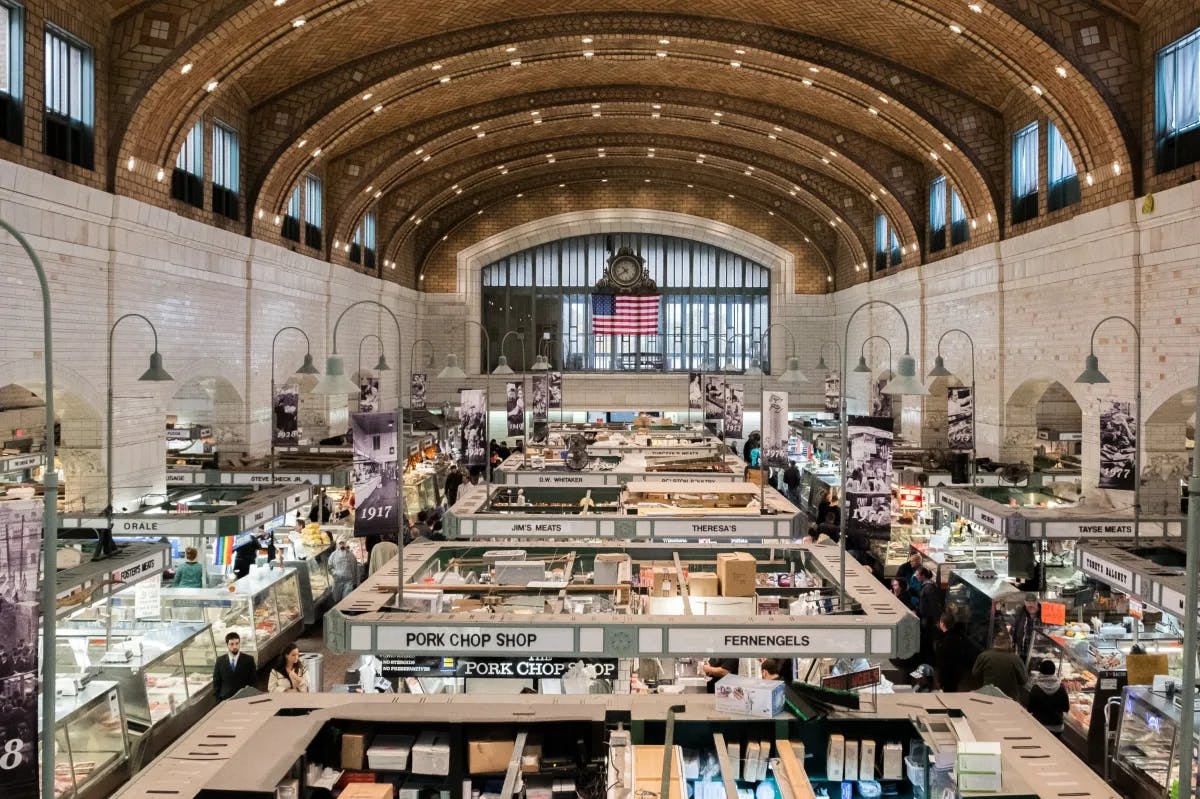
column 714, row 306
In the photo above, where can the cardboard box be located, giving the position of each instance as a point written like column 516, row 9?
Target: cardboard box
column 666, row 582
column 983, row 783
column 489, row 757
column 978, row 766
column 866, row 760
column 368, row 790
column 850, row 767
column 354, row 750
column 389, row 752
column 893, row 761
column 431, row 754
column 703, row 584
column 835, row 758
column 761, row 698
column 735, row 573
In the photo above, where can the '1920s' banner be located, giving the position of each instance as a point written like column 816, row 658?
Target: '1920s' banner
column 868, row 489
column 775, row 428
column 1118, row 445
column 833, row 392
column 735, row 403
column 472, row 424
column 286, row 432
column 21, row 529
column 378, row 467
column 960, row 418
column 416, row 390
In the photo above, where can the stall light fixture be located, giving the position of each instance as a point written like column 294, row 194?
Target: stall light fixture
column 792, row 375
column 754, row 369
column 334, row 381
column 939, row 368
column 452, row 371
column 308, row 367
column 905, row 382
column 862, row 367
column 156, row 373
column 382, row 365
column 541, row 364
column 502, row 367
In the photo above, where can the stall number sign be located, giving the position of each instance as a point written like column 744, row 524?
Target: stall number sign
column 785, row 641
column 484, row 640
column 1108, row 572
column 988, row 520
column 951, row 502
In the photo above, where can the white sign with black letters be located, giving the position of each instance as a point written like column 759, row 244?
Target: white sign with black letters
column 1108, row 572
column 988, row 520
column 537, row 527
column 476, row 640
column 950, row 501
column 785, row 641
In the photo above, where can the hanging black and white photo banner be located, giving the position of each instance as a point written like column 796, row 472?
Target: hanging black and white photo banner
column 378, row 468
column 960, row 417
column 695, row 391
column 286, row 417
column 775, row 428
column 368, row 394
column 735, row 403
column 417, row 390
column 868, row 489
column 714, row 397
column 515, row 407
column 1118, row 445
column 540, row 385
column 881, row 404
column 472, row 423
column 833, row 391
column 21, row 529
column 556, row 389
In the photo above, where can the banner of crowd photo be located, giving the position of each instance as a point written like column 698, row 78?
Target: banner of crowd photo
column 833, row 392
column 1118, row 445
column 368, row 394
column 881, row 404
column 540, row 384
column 960, row 417
column 714, row 397
column 377, row 469
column 695, row 391
column 472, row 425
column 868, row 489
column 21, row 529
column 286, row 415
column 416, row 390
column 775, row 432
column 735, row 403
column 556, row 390
column 514, row 406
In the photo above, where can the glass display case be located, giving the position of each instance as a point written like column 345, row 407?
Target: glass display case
column 316, row 582
column 420, row 492
column 1147, row 756
column 977, row 599
column 90, row 742
column 263, row 608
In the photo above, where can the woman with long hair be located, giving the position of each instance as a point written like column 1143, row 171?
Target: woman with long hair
column 288, row 673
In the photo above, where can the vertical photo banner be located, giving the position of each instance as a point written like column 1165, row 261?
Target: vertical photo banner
column 472, row 423
column 416, row 389
column 695, row 391
column 556, row 389
column 833, row 392
column 21, row 529
column 378, row 468
column 286, row 415
column 881, row 404
column 368, row 394
column 541, row 396
column 514, row 394
column 735, row 404
column 960, row 415
column 714, row 397
column 1118, row 445
column 868, row 489
column 775, row 428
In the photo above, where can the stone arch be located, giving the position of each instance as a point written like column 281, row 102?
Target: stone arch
column 1038, row 402
column 206, row 393
column 1167, row 441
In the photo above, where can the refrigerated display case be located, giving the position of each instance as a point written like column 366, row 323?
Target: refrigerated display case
column 420, row 492
column 1148, row 741
column 91, row 750
column 316, row 583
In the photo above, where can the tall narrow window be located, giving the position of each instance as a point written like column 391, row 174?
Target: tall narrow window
column 187, row 179
column 896, row 254
column 937, row 214
column 69, row 99
column 959, row 230
column 226, row 171
column 366, row 239
column 1177, row 103
column 12, row 30
column 1062, row 179
column 312, row 211
column 881, row 242
column 1025, row 174
column 291, row 219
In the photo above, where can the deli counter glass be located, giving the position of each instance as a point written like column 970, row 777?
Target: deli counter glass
column 1147, row 753
column 90, row 745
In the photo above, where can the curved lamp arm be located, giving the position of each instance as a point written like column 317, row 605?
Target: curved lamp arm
column 1137, row 334
column 971, row 342
column 868, row 339
column 520, row 337
column 121, row 319
column 767, row 332
column 412, row 352
column 487, row 340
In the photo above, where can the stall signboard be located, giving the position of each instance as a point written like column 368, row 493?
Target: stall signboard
column 541, row 397
column 868, row 489
column 960, row 417
column 472, row 418
column 17, row 462
column 377, row 473
column 792, row 640
column 135, row 572
column 714, row 397
column 1107, row 572
column 516, row 668
column 910, row 497
column 1094, row 529
column 948, row 500
column 514, row 406
column 286, row 428
column 986, row 518
column 695, row 391
column 535, row 526
column 21, row 521
column 555, row 390
column 489, row 640
column 775, row 428
column 751, row 527
column 833, row 392
column 416, row 390
column 735, row 403
column 1118, row 445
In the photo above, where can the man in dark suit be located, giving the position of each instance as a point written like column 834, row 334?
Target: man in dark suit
column 233, row 671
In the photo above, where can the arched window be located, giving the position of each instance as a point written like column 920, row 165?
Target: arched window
column 713, row 309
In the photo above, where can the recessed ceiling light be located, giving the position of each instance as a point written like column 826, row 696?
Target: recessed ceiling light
column 377, row 108
column 882, row 190
column 298, row 22
column 595, row 113
column 368, row 96
column 873, row 110
column 777, row 129
column 933, row 155
column 735, row 64
column 746, row 172
column 772, row 137
column 520, row 194
column 316, row 152
column 645, row 180
column 955, row 28
column 874, row 197
column 1090, row 180
column 604, row 180
column 588, row 54
column 884, row 100
column 301, row 143
column 435, row 67
column 131, row 163
column 510, row 49
column 475, row 127
column 587, row 39
column 824, row 160
column 740, row 51
column 278, row 219
column 418, row 151
column 947, row 146
column 481, row 134
column 1037, row 89
column 715, row 121
column 974, row 224
column 516, row 62
column 1116, row 167
column 186, row 68
column 661, row 54
column 1062, row 71
column 537, row 120
column 501, row 167
column 444, row 79
column 367, row 190
column 691, row 186
column 813, row 69
column 160, row 175
column 378, row 194
column 664, row 41
column 730, row 196
column 211, row 86
column 976, row 7
column 718, row 114
column 426, row 158
column 278, row 3
column 807, row 82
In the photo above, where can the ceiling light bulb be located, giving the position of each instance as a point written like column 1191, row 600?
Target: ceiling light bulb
column 516, row 62
column 160, row 175
column 587, row 39
column 377, row 108
column 874, row 111
column 368, row 96
column 367, row 190
column 974, row 224
column 211, row 86
column 661, row 54
column 298, row 22
column 595, row 113
column 807, row 82
column 978, row 9
column 186, row 68
column 1062, row 71
column 829, row 278
column 435, row 67
column 735, row 64
column 426, row 158
column 1091, row 181
column 510, row 49
column 278, row 3
column 955, row 28
column 813, row 69
column 378, row 194
column 316, row 152
column 1037, row 89
column 537, row 121
column 1116, row 167
column 300, row 144
column 740, row 51
column 947, row 146
column 278, row 219
column 444, row 79
column 772, row 137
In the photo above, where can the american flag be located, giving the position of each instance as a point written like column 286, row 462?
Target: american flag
column 625, row 314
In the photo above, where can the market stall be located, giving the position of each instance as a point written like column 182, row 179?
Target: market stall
column 91, row 746
column 548, row 466
column 313, row 468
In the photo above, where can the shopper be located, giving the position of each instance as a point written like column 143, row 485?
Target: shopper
column 233, row 671
column 1048, row 700
column 453, row 481
column 344, row 568
column 953, row 658
column 900, row 591
column 922, row 677
column 929, row 610
column 1029, row 615
column 908, row 572
column 421, row 529
column 383, row 553
column 288, row 674
column 1000, row 667
column 791, row 479
column 716, row 668
column 189, row 574
column 321, row 510
column 771, row 669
